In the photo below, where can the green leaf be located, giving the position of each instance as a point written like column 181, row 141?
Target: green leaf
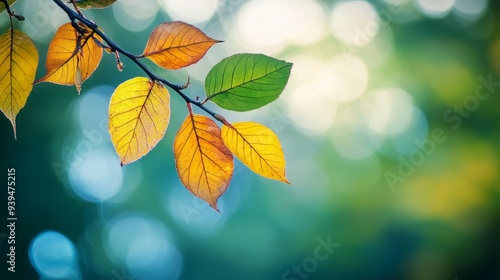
column 94, row 4
column 2, row 5
column 244, row 82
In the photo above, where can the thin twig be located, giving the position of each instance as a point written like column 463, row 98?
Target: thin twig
column 76, row 8
column 11, row 12
column 74, row 16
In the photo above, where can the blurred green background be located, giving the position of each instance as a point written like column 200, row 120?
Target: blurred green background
column 389, row 124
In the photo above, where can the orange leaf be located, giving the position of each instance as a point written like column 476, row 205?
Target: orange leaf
column 72, row 60
column 204, row 164
column 174, row 45
column 18, row 63
column 139, row 113
column 257, row 147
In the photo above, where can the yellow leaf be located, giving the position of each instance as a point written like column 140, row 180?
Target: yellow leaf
column 257, row 147
column 72, row 60
column 174, row 45
column 139, row 113
column 18, row 63
column 204, row 164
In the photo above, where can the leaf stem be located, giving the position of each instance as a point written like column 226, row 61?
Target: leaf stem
column 11, row 12
column 204, row 101
column 76, row 8
column 74, row 16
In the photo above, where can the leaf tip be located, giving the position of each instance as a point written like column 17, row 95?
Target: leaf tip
column 13, row 122
column 38, row 81
column 212, row 202
column 214, row 206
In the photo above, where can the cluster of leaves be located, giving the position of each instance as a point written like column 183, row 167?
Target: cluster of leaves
column 139, row 109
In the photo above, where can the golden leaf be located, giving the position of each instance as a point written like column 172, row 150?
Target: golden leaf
column 139, row 113
column 18, row 63
column 204, row 164
column 174, row 45
column 257, row 147
column 72, row 60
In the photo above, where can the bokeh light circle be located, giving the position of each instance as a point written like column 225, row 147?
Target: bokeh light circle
column 311, row 16
column 43, row 20
column 91, row 113
column 135, row 15
column 435, row 8
column 143, row 243
column 192, row 11
column 98, row 175
column 417, row 129
column 301, row 22
column 354, row 22
column 387, row 111
column 311, row 112
column 148, row 255
column 54, row 256
column 470, row 10
column 348, row 78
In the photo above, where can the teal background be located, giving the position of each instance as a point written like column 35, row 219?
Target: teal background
column 389, row 218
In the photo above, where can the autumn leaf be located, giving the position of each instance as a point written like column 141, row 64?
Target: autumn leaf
column 174, row 45
column 2, row 5
column 66, row 63
column 204, row 164
column 139, row 113
column 94, row 4
column 18, row 63
column 257, row 147
column 244, row 82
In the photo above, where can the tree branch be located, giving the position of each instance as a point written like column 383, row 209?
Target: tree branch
column 10, row 12
column 74, row 16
